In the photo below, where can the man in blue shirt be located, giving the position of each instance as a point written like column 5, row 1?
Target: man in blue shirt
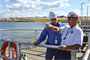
column 54, row 38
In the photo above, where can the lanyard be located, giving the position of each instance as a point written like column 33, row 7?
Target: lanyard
column 56, row 32
column 67, row 33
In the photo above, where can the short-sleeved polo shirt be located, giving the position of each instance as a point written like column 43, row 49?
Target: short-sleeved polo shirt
column 75, row 35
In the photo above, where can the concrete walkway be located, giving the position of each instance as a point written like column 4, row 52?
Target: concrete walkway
column 38, row 53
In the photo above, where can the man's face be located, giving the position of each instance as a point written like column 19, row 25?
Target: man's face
column 54, row 21
column 71, row 20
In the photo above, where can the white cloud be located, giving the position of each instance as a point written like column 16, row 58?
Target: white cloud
column 78, row 12
column 84, row 11
column 0, row 6
column 25, row 14
column 39, row 6
column 35, row 12
column 35, row 0
column 6, row 0
column 60, row 13
column 43, row 13
column 50, row 0
column 88, row 4
column 2, row 13
column 21, row 1
column 28, row 14
column 64, row 0
column 20, row 6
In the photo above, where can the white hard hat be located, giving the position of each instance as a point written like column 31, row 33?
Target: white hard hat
column 52, row 15
column 72, row 14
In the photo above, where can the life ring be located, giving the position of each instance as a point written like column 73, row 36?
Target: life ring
column 4, row 48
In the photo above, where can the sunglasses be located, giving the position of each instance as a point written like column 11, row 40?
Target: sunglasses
column 68, row 19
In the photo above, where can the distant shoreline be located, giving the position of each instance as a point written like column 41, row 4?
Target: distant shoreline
column 43, row 19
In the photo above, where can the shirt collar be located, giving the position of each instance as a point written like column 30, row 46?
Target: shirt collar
column 75, row 26
column 56, row 25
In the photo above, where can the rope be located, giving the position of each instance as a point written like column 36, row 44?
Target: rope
column 4, row 46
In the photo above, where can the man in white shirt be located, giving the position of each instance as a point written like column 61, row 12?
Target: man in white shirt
column 72, row 35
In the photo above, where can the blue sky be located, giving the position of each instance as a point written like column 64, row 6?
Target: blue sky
column 40, row 8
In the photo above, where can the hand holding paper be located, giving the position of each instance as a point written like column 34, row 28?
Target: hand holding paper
column 63, row 47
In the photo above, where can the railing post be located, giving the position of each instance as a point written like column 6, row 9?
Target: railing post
column 73, row 55
column 9, row 49
column 89, row 45
column 35, row 35
column 87, row 53
column 89, row 40
column 17, row 51
column 0, row 54
column 79, row 22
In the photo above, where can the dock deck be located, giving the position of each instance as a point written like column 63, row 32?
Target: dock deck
column 38, row 53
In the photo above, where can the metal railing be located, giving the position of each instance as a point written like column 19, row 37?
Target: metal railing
column 28, row 43
column 85, row 28
column 18, row 46
column 35, row 30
